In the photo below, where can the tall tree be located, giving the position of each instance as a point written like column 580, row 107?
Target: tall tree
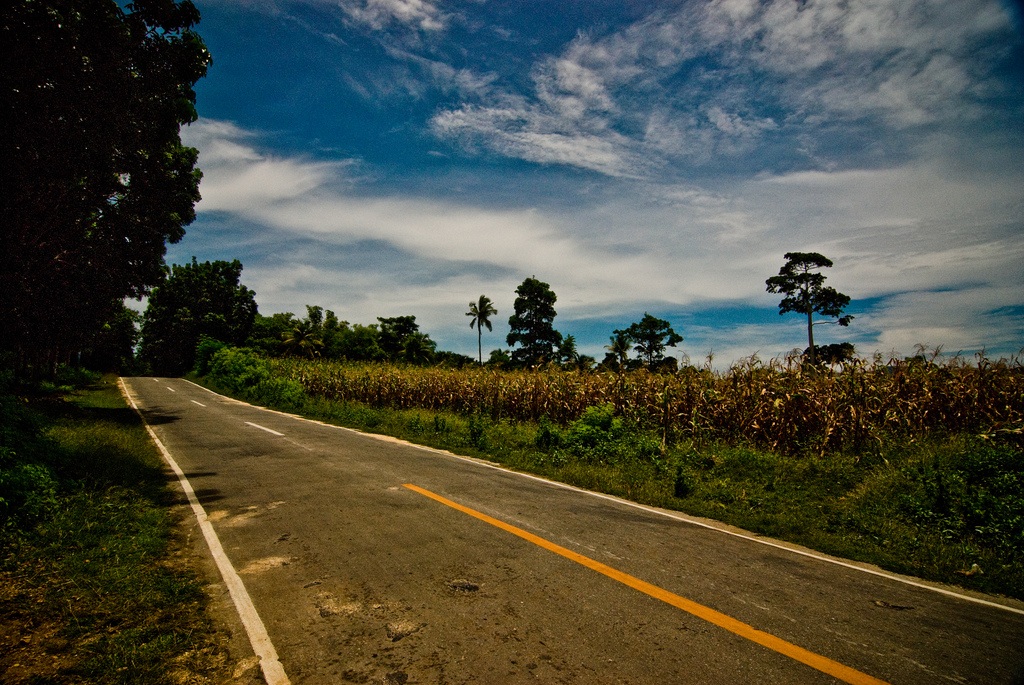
column 650, row 337
column 532, row 324
column 801, row 281
column 481, row 311
column 95, row 178
column 195, row 300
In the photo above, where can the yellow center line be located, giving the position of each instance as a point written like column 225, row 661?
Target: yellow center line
column 816, row 661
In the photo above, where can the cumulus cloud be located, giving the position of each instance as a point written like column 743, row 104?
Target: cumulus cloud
column 702, row 79
column 309, row 199
column 940, row 254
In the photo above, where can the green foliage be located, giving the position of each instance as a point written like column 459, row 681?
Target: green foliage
column 836, row 353
column 303, row 339
column 196, row 300
column 112, row 348
column 28, row 485
column 205, row 350
column 531, row 324
column 478, row 432
column 359, row 343
column 499, row 358
column 72, row 377
column 548, row 434
column 598, row 437
column 394, row 332
column 971, row 490
column 618, row 351
column 27, row 491
column 95, row 179
column 245, row 373
column 597, row 425
column 268, row 331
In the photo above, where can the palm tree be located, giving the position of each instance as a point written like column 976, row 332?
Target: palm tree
column 481, row 312
column 618, row 351
column 302, row 340
column 418, row 348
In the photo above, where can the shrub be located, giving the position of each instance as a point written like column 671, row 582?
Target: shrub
column 205, row 351
column 238, row 370
column 27, row 491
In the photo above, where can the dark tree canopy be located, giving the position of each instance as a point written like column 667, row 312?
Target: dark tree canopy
column 532, row 324
column 650, row 336
column 402, row 341
column 801, row 281
column 112, row 348
column 836, row 353
column 395, row 331
column 95, row 179
column 196, row 300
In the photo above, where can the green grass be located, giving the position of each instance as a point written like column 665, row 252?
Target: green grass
column 95, row 586
column 932, row 506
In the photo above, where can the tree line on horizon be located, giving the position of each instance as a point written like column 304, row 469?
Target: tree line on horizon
column 205, row 304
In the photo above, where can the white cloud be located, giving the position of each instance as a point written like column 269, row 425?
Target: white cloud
column 379, row 14
column 912, row 62
column 943, row 250
column 538, row 136
column 303, row 198
column 967, row 319
column 735, row 125
column 686, row 85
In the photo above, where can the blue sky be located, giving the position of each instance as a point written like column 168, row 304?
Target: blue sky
column 394, row 157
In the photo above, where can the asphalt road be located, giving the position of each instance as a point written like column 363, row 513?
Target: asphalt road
column 374, row 561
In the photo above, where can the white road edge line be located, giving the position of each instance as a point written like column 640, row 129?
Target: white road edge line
column 660, row 512
column 264, row 428
column 273, row 671
column 199, row 403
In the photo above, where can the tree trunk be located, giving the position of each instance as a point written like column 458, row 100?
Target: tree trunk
column 810, row 334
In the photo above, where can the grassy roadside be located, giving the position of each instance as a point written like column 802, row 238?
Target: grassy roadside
column 948, row 508
column 97, row 583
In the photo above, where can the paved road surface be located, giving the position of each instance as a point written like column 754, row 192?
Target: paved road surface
column 364, row 570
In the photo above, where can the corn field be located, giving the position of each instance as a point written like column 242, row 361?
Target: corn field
column 777, row 405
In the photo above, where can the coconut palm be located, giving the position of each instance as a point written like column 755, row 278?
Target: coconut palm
column 481, row 312
column 302, row 340
column 618, row 351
